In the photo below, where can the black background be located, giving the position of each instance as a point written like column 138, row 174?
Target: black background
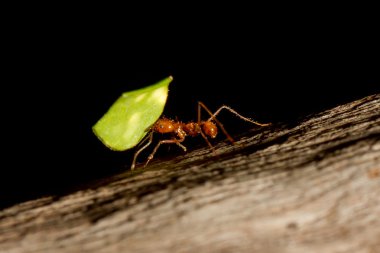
column 63, row 76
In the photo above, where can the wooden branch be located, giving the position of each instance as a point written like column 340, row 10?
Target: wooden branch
column 314, row 187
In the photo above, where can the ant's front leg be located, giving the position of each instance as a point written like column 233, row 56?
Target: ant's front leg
column 175, row 141
column 141, row 149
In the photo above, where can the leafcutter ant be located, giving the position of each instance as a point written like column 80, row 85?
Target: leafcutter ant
column 179, row 130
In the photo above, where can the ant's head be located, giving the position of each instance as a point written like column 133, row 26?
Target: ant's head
column 164, row 126
column 209, row 128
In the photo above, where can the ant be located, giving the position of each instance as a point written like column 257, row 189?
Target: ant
column 179, row 130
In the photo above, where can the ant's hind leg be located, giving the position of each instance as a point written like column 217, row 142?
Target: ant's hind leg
column 200, row 106
column 175, row 141
column 238, row 115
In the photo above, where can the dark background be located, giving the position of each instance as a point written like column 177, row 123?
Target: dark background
column 63, row 77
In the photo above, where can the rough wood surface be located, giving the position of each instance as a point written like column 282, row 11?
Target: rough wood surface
column 314, row 187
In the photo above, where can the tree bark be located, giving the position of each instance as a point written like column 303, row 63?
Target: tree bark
column 313, row 187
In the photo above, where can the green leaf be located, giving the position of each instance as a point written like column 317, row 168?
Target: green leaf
column 128, row 120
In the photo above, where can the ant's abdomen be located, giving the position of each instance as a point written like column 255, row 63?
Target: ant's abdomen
column 209, row 128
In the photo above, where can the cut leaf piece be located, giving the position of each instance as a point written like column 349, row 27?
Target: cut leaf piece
column 128, row 120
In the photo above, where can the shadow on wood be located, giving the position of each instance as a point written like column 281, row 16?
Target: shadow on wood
column 313, row 187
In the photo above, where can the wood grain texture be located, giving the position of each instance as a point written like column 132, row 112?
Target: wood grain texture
column 313, row 187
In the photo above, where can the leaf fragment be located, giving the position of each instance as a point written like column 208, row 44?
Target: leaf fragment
column 129, row 118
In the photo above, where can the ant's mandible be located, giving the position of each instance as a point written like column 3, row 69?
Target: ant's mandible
column 205, row 128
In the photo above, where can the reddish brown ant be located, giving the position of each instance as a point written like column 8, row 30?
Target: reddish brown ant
column 205, row 128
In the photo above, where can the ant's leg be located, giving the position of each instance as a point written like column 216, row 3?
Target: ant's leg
column 237, row 114
column 182, row 146
column 148, row 136
column 201, row 105
column 141, row 149
column 175, row 141
column 206, row 139
column 199, row 122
